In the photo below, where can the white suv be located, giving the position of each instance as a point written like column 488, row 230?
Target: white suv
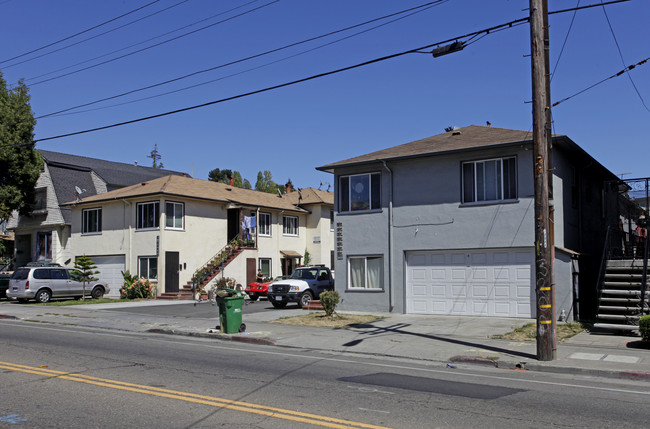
column 45, row 283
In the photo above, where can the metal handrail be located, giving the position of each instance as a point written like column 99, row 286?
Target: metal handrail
column 217, row 260
column 603, row 262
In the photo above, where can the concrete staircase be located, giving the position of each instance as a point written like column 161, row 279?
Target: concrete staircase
column 211, row 271
column 620, row 297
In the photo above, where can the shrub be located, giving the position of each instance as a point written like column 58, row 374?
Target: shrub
column 329, row 300
column 226, row 283
column 644, row 327
column 134, row 287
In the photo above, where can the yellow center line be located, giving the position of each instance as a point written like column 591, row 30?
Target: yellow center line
column 279, row 413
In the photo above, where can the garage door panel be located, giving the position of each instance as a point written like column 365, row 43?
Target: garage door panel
column 110, row 271
column 484, row 283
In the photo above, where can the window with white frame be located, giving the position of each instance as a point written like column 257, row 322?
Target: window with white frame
column 290, row 225
column 490, row 180
column 365, row 272
column 264, row 224
column 360, row 192
column 265, row 266
column 91, row 221
column 148, row 267
column 174, row 215
column 147, row 215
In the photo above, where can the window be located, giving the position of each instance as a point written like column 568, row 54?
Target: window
column 44, row 242
column 289, row 225
column 91, row 221
column 147, row 215
column 490, row 180
column 174, row 213
column 365, row 272
column 148, row 267
column 264, row 224
column 265, row 266
column 360, row 192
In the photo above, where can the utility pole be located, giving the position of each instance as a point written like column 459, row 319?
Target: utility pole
column 544, row 288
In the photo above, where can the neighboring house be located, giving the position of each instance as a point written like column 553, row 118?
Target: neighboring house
column 167, row 228
column 44, row 234
column 445, row 225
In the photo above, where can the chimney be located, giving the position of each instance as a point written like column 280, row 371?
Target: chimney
column 288, row 187
column 232, row 181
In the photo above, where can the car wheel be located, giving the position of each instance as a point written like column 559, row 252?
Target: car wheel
column 242, row 327
column 279, row 304
column 305, row 298
column 43, row 295
column 97, row 292
column 253, row 297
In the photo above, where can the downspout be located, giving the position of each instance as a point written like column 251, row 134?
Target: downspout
column 390, row 239
column 128, row 224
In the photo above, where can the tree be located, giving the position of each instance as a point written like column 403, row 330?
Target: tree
column 84, row 269
column 20, row 164
column 221, row 176
column 240, row 182
column 265, row 183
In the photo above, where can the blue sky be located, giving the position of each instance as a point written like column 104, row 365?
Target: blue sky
column 292, row 130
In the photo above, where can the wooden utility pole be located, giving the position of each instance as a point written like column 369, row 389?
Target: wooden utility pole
column 544, row 288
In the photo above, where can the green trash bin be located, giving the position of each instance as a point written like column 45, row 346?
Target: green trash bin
column 230, row 304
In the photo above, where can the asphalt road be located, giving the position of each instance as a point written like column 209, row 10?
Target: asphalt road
column 68, row 377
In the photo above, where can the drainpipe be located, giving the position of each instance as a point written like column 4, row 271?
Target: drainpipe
column 390, row 239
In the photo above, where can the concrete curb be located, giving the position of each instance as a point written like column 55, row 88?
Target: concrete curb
column 216, row 335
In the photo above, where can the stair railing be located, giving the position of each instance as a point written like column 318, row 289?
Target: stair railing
column 644, row 275
column 215, row 262
column 603, row 267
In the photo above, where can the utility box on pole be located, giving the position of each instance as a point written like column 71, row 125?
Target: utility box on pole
column 544, row 287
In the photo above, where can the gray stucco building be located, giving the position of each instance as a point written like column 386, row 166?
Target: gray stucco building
column 445, row 225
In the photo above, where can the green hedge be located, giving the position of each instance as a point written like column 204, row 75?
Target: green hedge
column 644, row 327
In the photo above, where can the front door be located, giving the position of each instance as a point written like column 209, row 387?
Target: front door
column 234, row 223
column 251, row 272
column 171, row 271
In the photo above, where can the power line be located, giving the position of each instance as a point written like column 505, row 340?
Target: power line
column 79, row 33
column 332, row 72
column 156, row 44
column 620, row 53
column 142, row 42
column 626, row 69
column 413, row 10
column 94, row 37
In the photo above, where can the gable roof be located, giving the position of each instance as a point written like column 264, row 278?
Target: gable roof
column 467, row 138
column 186, row 187
column 115, row 174
column 311, row 196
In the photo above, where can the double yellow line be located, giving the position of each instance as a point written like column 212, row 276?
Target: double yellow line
column 245, row 407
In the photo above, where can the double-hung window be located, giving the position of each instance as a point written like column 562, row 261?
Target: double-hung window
column 360, row 192
column 91, row 221
column 365, row 272
column 490, row 180
column 264, row 224
column 265, row 266
column 290, row 225
column 148, row 267
column 174, row 215
column 147, row 215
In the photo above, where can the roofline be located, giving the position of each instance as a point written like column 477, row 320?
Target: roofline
column 149, row 194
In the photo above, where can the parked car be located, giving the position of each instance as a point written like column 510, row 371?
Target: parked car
column 44, row 283
column 256, row 290
column 4, row 283
column 304, row 284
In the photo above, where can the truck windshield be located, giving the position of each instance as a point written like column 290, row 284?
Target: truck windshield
column 304, row 274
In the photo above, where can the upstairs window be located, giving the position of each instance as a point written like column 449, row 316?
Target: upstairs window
column 290, row 225
column 360, row 192
column 264, row 224
column 174, row 213
column 490, row 180
column 147, row 215
column 91, row 221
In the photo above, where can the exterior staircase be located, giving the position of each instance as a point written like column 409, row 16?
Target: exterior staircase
column 208, row 272
column 620, row 305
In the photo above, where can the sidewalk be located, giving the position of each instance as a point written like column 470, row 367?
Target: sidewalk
column 440, row 340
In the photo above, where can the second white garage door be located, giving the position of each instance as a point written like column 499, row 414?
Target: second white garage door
column 471, row 283
column 110, row 271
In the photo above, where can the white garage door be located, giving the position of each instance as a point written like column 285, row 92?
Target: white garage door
column 486, row 283
column 110, row 271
